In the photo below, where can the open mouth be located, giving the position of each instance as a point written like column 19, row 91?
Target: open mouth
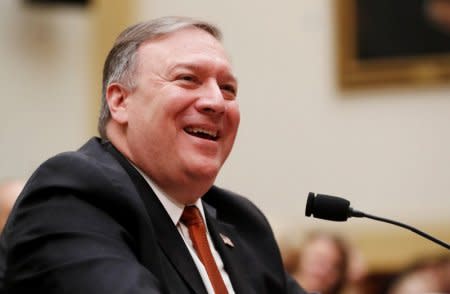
column 202, row 133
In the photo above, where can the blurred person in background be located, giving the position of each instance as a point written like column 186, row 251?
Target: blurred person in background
column 9, row 191
column 357, row 271
column 431, row 275
column 322, row 264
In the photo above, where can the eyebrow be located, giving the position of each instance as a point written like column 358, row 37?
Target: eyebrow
column 196, row 67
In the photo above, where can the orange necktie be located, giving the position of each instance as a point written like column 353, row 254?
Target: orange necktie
column 192, row 218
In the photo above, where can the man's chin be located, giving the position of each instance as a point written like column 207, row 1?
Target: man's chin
column 206, row 171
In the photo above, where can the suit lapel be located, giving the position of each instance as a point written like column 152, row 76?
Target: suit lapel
column 174, row 247
column 230, row 254
column 166, row 233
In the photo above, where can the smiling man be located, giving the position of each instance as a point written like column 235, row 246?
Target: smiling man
column 136, row 211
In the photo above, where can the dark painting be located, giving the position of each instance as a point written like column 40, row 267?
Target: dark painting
column 401, row 28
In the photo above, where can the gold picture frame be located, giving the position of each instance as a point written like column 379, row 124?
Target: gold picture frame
column 365, row 61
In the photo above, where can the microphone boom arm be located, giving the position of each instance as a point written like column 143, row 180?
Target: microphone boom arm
column 338, row 209
column 355, row 213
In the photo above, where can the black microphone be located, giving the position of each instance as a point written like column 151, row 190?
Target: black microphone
column 338, row 209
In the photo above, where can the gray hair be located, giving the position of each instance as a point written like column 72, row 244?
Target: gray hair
column 121, row 62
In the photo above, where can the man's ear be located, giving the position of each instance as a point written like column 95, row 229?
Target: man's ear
column 117, row 98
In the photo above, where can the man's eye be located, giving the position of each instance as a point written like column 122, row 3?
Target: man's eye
column 188, row 78
column 229, row 88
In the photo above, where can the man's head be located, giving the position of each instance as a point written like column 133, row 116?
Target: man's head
column 170, row 103
column 121, row 63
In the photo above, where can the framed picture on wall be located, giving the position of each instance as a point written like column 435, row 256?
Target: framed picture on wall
column 393, row 42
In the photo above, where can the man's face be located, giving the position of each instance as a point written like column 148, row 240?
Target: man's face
column 182, row 117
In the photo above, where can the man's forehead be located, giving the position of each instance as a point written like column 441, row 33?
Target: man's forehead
column 188, row 48
column 185, row 36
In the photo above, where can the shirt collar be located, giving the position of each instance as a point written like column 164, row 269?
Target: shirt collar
column 173, row 208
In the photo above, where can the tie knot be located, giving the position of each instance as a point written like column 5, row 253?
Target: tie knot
column 191, row 216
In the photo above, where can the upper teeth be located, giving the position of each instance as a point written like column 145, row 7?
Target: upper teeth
column 204, row 131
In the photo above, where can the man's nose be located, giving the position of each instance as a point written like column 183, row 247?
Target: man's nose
column 211, row 101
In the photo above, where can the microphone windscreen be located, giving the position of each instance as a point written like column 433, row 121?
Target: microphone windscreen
column 327, row 207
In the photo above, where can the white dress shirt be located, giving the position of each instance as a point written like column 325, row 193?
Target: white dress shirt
column 175, row 210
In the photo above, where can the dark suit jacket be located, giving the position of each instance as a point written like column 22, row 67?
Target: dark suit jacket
column 87, row 222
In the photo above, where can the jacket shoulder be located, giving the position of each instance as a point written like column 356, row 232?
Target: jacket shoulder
column 89, row 177
column 90, row 167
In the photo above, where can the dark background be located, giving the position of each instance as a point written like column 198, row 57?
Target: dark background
column 397, row 28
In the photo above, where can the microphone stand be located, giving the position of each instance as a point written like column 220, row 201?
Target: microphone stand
column 356, row 213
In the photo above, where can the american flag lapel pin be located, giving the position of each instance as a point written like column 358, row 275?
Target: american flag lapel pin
column 226, row 240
